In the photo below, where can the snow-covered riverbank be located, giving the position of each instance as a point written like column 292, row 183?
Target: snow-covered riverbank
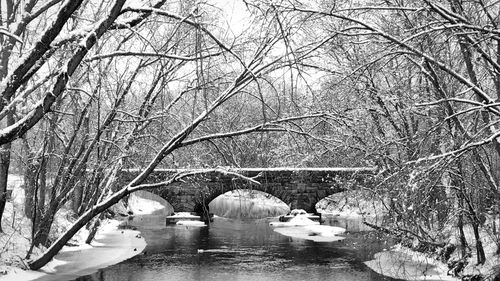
column 404, row 263
column 110, row 246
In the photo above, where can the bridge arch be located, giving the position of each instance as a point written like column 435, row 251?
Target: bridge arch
column 244, row 203
column 146, row 202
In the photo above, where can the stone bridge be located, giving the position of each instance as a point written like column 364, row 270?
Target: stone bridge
column 299, row 188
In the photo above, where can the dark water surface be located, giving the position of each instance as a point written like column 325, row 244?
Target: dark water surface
column 243, row 250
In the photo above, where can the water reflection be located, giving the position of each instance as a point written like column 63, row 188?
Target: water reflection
column 242, row 250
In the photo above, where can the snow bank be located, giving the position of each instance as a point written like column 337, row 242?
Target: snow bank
column 489, row 241
column 15, row 241
column 112, row 246
column 403, row 263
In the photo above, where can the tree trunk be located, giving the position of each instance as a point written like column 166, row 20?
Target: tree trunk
column 457, row 181
column 460, row 226
column 5, row 149
column 44, row 226
column 76, row 201
column 4, row 170
column 29, row 188
column 481, row 257
column 93, row 229
column 42, row 186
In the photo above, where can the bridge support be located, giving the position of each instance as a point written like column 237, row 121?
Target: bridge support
column 299, row 188
column 204, row 212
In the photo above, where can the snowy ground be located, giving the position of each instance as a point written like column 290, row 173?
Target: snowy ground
column 403, row 263
column 490, row 248
column 110, row 246
column 15, row 240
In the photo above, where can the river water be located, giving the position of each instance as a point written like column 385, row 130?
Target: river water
column 244, row 250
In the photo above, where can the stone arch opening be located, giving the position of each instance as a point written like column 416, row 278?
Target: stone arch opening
column 145, row 202
column 245, row 203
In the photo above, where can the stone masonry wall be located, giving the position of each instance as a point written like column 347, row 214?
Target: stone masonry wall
column 299, row 188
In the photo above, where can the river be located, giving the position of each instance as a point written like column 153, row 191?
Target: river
column 244, row 250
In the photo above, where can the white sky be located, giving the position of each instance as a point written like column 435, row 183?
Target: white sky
column 236, row 14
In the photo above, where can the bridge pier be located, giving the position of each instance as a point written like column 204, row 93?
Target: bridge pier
column 303, row 202
column 204, row 212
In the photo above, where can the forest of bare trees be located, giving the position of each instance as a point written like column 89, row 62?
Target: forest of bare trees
column 410, row 87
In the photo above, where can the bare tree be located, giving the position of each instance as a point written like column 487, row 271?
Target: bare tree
column 423, row 75
column 117, row 90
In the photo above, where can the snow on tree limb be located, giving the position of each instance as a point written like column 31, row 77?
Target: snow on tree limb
column 6, row 32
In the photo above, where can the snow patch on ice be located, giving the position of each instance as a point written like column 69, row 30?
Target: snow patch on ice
column 191, row 223
column 302, row 227
column 299, row 220
column 302, row 232
column 184, row 215
column 325, row 230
